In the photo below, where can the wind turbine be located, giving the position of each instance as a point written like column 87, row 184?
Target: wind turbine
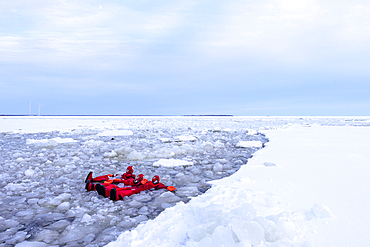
column 29, row 110
column 39, row 106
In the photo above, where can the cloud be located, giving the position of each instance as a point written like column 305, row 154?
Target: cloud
column 287, row 32
column 224, row 53
column 359, row 10
column 294, row 33
column 69, row 30
column 266, row 26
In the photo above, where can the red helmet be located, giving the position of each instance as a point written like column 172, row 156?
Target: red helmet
column 155, row 179
column 140, row 177
column 129, row 169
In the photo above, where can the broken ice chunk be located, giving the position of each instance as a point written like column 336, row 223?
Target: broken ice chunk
column 269, row 164
column 187, row 191
column 249, row 144
column 86, row 219
column 29, row 172
column 172, row 163
column 116, row 133
column 184, row 138
column 165, row 140
column 135, row 155
column 140, row 218
column 321, row 211
column 65, row 206
column 217, row 167
column 31, row 244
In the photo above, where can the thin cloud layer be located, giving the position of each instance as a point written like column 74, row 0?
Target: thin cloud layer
column 193, row 57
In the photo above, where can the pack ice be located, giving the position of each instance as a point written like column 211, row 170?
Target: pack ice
column 44, row 202
column 208, row 159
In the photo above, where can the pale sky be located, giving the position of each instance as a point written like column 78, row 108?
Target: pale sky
column 171, row 57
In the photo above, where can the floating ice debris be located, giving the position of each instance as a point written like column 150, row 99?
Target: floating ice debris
column 64, row 206
column 187, row 191
column 135, row 155
column 36, row 212
column 172, row 163
column 165, row 140
column 217, row 167
column 252, row 132
column 86, row 219
column 94, row 143
column 19, row 160
column 44, row 201
column 29, row 173
column 31, row 244
column 269, row 164
column 110, row 154
column 184, row 138
column 49, row 142
column 249, row 144
column 116, row 133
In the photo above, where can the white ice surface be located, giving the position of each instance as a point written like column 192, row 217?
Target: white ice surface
column 185, row 138
column 53, row 141
column 172, row 163
column 307, row 187
column 116, row 133
column 325, row 165
column 248, row 144
column 317, row 194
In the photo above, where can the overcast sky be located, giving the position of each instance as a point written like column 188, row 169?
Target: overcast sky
column 171, row 57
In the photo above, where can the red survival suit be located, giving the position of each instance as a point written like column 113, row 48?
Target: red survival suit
column 106, row 186
column 119, row 193
column 125, row 178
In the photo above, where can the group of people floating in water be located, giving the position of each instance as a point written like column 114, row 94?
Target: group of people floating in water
column 108, row 185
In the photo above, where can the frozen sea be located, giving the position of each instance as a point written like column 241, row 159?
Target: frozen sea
column 241, row 181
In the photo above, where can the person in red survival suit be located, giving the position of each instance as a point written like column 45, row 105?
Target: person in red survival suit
column 105, row 188
column 120, row 193
column 128, row 174
column 126, row 177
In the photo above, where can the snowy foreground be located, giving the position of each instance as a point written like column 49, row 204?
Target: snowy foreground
column 275, row 181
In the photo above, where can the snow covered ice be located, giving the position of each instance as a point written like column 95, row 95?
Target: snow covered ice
column 45, row 160
column 43, row 172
